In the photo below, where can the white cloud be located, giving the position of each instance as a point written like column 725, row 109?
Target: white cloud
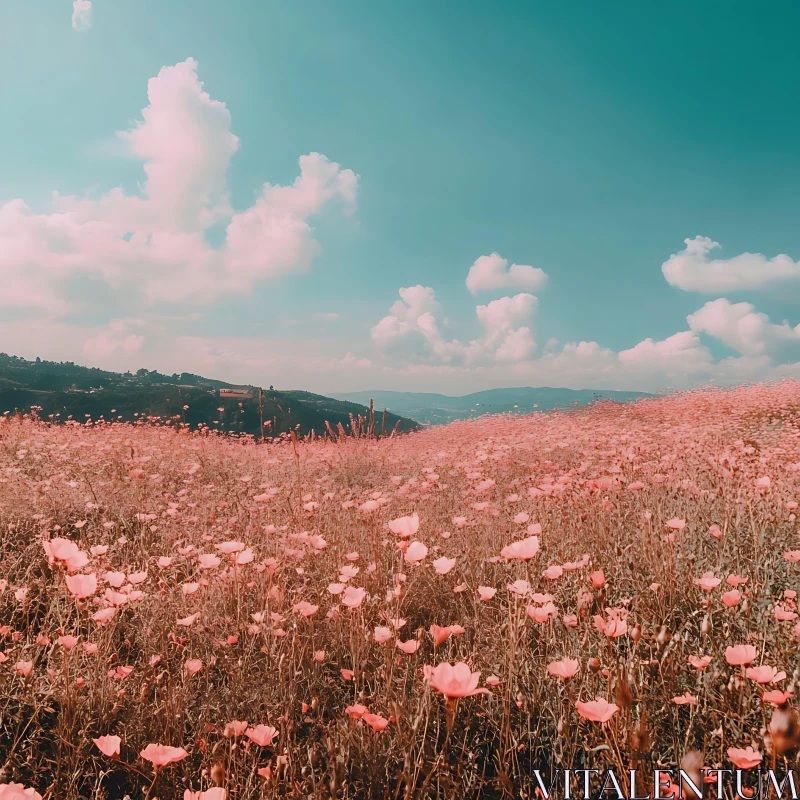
column 693, row 271
column 492, row 272
column 81, row 15
column 679, row 354
column 749, row 332
column 411, row 330
column 142, row 249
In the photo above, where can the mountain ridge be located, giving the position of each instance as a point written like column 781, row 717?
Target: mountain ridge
column 433, row 408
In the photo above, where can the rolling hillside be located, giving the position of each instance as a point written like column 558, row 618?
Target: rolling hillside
column 63, row 390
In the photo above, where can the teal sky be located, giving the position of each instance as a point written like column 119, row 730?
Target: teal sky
column 586, row 140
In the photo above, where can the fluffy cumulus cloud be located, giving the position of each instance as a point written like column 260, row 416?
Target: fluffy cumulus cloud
column 694, row 271
column 152, row 247
column 411, row 330
column 492, row 272
column 81, row 15
column 679, row 354
column 749, row 332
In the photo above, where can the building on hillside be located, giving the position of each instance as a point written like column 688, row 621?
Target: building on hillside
column 238, row 392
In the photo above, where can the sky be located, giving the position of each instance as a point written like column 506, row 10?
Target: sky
column 414, row 196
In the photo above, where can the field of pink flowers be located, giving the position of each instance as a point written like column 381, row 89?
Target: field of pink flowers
column 430, row 615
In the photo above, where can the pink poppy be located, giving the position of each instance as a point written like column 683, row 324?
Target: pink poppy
column 235, row 728
column 81, row 586
column 382, row 634
column 162, row 755
column 764, row 674
column 597, row 710
column 193, row 665
column 356, row 711
column 776, row 697
column 731, row 598
column 740, row 654
column 708, row 582
column 415, row 553
column 409, row 648
column 700, row 662
column 16, row 791
column 353, row 596
column 454, row 680
column 108, row 745
column 744, row 759
column 686, row 699
column 523, row 550
column 405, row 527
column 262, row 735
column 375, row 721
column 443, row 565
column 564, row 669
column 598, row 579
column 486, row 593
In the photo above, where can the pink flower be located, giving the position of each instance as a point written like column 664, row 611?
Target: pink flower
column 262, row 735
column 598, row 579
column 382, row 634
column 740, row 654
column 234, row 728
column 214, row 793
column 708, row 582
column 409, row 648
column 731, row 598
column 81, row 586
column 598, row 710
column 405, row 527
column 700, row 662
column 523, row 550
column 162, row 755
column 564, row 669
column 744, row 759
column 764, row 674
column 108, row 745
column 375, row 721
column 443, row 565
column 23, row 668
column 357, row 711
column 686, row 699
column 193, row 665
column 454, row 680
column 415, row 553
column 353, row 596
column 16, row 791
column 486, row 593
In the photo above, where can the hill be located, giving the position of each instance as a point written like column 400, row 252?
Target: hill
column 64, row 390
column 437, row 409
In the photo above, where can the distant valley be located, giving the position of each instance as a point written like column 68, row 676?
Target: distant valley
column 438, row 409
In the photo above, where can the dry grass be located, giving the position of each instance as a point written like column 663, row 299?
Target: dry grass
column 150, row 492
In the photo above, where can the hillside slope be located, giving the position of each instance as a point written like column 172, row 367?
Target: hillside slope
column 64, row 390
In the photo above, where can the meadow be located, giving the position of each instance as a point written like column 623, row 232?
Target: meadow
column 435, row 614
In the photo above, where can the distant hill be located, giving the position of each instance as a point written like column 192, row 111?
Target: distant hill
column 437, row 409
column 65, row 390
